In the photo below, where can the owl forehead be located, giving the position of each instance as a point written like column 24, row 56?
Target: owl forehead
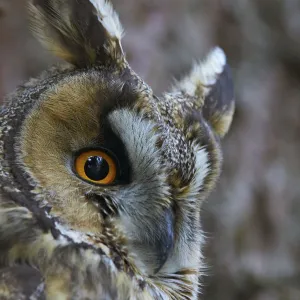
column 172, row 116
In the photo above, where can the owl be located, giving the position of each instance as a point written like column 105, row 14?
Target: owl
column 102, row 181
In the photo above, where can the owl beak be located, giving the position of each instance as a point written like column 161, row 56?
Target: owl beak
column 165, row 242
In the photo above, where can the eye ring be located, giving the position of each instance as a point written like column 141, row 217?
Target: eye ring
column 96, row 166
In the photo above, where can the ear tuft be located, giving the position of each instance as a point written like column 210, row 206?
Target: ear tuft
column 82, row 32
column 219, row 104
column 204, row 74
column 210, row 84
column 108, row 18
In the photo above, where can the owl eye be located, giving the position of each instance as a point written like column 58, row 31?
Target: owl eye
column 96, row 166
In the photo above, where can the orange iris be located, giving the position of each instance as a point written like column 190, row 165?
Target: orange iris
column 96, row 166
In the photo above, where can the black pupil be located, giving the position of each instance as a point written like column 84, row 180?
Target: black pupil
column 96, row 168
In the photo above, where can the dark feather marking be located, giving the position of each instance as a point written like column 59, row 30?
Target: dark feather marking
column 22, row 279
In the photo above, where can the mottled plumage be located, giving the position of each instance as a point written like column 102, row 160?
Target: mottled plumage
column 138, row 237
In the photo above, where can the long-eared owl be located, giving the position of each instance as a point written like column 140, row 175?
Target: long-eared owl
column 102, row 181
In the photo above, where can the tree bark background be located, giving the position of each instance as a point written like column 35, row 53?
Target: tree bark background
column 252, row 220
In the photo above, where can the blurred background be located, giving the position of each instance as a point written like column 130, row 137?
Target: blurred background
column 252, row 220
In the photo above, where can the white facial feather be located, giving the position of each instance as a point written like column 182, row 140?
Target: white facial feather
column 202, row 168
column 140, row 140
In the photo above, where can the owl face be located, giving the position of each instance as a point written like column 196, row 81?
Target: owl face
column 103, row 156
column 103, row 149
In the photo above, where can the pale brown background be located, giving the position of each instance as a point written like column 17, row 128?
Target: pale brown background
column 252, row 220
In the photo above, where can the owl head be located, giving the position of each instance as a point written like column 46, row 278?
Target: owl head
column 104, row 162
